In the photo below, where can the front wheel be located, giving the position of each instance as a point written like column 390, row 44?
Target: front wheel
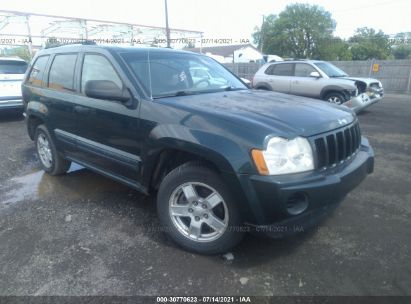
column 335, row 98
column 197, row 210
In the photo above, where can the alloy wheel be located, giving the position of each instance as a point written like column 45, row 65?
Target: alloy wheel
column 44, row 150
column 198, row 212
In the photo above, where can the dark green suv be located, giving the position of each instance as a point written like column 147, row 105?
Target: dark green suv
column 222, row 159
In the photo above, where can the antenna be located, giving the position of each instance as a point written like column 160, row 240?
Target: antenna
column 149, row 73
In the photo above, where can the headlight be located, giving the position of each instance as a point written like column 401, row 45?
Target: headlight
column 352, row 93
column 284, row 156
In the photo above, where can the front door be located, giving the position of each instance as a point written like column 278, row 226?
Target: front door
column 305, row 85
column 107, row 130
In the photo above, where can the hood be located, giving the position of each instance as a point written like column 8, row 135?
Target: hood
column 276, row 113
column 368, row 81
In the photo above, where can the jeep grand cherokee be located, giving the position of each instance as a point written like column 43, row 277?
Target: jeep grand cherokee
column 220, row 157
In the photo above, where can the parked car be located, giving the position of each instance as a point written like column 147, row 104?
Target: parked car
column 205, row 77
column 321, row 80
column 222, row 160
column 11, row 75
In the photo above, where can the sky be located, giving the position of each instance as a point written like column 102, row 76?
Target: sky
column 224, row 19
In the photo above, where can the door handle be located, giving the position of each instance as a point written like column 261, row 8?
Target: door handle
column 81, row 110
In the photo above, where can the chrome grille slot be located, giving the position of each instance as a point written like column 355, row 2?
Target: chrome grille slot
column 337, row 146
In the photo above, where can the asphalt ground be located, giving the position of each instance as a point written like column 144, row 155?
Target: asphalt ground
column 83, row 234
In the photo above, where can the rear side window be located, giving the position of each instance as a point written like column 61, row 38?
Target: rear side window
column 282, row 69
column 61, row 76
column 12, row 67
column 37, row 71
column 97, row 67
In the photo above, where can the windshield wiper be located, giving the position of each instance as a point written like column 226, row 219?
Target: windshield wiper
column 231, row 88
column 174, row 94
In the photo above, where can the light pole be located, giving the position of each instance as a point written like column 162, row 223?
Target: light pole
column 167, row 28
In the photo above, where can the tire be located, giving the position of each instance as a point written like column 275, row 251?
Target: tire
column 188, row 227
column 50, row 160
column 335, row 98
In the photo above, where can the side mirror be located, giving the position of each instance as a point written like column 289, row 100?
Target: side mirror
column 106, row 89
column 315, row 74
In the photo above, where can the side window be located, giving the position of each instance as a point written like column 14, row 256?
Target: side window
column 269, row 70
column 37, row 71
column 61, row 76
column 303, row 70
column 97, row 67
column 282, row 69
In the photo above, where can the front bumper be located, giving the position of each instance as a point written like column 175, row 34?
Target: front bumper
column 14, row 102
column 364, row 100
column 268, row 195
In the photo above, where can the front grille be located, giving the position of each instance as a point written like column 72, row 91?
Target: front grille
column 335, row 147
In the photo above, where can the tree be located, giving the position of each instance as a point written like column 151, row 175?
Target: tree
column 402, row 52
column 335, row 49
column 262, row 34
column 21, row 51
column 298, row 31
column 369, row 44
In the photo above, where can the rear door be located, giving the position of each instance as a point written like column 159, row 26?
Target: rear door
column 279, row 77
column 60, row 97
column 305, row 85
column 107, row 130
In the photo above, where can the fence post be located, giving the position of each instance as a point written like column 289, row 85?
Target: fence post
column 372, row 63
column 409, row 81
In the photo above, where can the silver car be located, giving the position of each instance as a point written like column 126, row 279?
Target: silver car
column 321, row 80
column 11, row 75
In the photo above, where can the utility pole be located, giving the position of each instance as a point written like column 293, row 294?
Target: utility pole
column 262, row 35
column 167, row 28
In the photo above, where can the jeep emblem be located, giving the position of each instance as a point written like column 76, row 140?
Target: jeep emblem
column 342, row 121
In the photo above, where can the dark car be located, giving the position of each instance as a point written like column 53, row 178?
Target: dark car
column 222, row 159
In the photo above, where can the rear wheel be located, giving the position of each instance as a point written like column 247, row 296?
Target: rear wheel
column 50, row 160
column 335, row 98
column 197, row 210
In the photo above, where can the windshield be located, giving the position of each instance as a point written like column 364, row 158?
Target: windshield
column 12, row 67
column 330, row 69
column 173, row 74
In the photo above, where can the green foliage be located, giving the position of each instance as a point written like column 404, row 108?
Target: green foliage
column 369, row 44
column 21, row 52
column 261, row 35
column 402, row 52
column 297, row 32
column 334, row 49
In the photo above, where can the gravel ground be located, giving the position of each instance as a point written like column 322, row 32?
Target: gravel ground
column 83, row 234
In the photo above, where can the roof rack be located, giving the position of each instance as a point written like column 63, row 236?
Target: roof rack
column 296, row 59
column 80, row 42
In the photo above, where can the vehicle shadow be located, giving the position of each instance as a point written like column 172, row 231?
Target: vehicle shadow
column 363, row 112
column 9, row 115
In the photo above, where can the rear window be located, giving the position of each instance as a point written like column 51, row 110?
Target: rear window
column 12, row 67
column 61, row 76
column 282, row 69
column 37, row 71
